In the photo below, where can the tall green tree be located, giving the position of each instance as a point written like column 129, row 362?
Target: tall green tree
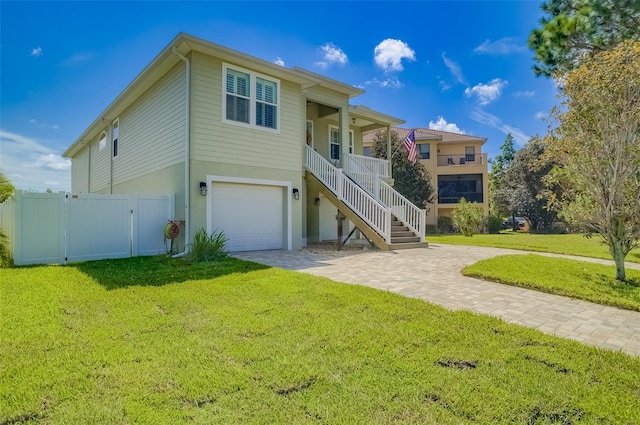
column 412, row 180
column 499, row 166
column 571, row 31
column 524, row 190
column 597, row 145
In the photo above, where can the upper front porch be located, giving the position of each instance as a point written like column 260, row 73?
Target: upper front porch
column 334, row 131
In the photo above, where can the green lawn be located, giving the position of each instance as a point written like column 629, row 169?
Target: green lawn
column 560, row 244
column 154, row 340
column 577, row 279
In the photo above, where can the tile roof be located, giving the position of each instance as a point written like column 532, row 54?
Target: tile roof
column 428, row 134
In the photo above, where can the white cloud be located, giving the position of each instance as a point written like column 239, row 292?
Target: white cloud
column 524, row 93
column 37, row 52
column 504, row 46
column 392, row 82
column 278, row 61
column 33, row 164
column 389, row 53
column 486, row 93
column 541, row 115
column 490, row 120
column 444, row 85
column 77, row 58
column 43, row 125
column 443, row 125
column 332, row 54
column 455, row 69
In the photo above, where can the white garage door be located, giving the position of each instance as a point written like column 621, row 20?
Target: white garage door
column 251, row 216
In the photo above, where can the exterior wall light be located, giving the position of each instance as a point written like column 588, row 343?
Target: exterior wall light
column 296, row 194
column 203, row 188
column 316, row 202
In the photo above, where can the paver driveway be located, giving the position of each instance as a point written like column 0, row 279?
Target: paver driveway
column 433, row 274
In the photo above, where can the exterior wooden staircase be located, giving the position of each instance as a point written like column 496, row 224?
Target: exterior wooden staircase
column 383, row 216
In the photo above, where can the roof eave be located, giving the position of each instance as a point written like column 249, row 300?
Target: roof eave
column 165, row 60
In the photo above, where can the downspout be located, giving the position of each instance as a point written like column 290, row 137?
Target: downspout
column 187, row 154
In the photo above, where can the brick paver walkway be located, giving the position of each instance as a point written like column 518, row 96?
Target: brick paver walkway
column 433, row 274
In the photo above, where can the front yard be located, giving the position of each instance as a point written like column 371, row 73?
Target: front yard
column 573, row 244
column 154, row 340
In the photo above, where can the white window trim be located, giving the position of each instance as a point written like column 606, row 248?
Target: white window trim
column 352, row 140
column 252, row 99
column 102, row 140
column 114, row 124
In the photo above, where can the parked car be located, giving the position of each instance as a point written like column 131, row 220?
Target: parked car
column 508, row 224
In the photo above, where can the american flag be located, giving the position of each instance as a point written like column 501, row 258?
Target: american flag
column 410, row 145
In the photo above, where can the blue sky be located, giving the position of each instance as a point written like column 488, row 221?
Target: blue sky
column 456, row 65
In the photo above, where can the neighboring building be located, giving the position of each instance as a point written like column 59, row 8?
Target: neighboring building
column 457, row 166
column 247, row 147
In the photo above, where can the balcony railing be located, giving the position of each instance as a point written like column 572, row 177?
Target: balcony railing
column 462, row 159
column 455, row 197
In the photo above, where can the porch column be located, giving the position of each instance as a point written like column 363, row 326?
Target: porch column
column 389, row 149
column 343, row 123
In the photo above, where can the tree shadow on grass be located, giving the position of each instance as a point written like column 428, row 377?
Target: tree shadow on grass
column 159, row 270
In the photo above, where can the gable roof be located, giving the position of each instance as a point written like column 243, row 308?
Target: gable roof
column 167, row 58
column 429, row 134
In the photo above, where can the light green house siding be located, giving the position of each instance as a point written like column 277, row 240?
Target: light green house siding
column 152, row 129
column 224, row 149
column 216, row 141
column 99, row 167
column 80, row 172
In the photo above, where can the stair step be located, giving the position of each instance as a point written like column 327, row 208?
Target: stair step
column 405, row 239
column 402, row 234
column 395, row 247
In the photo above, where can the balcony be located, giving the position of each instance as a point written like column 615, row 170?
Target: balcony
column 455, row 197
column 462, row 159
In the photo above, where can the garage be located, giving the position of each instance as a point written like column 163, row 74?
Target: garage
column 250, row 215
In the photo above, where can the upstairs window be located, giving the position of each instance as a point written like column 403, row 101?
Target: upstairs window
column 366, row 151
column 266, row 103
column 470, row 153
column 115, row 133
column 425, row 150
column 102, row 143
column 251, row 99
column 238, row 96
column 334, row 142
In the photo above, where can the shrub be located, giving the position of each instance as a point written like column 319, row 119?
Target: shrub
column 5, row 253
column 468, row 217
column 445, row 224
column 494, row 224
column 432, row 229
column 207, row 247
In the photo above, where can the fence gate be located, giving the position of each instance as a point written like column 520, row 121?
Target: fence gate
column 46, row 228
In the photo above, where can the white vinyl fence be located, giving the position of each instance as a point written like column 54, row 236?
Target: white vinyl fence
column 46, row 228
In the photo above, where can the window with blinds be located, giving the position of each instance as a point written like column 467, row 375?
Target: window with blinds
column 251, row 99
column 238, row 96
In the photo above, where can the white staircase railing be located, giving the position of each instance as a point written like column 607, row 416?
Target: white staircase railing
column 407, row 212
column 377, row 166
column 346, row 190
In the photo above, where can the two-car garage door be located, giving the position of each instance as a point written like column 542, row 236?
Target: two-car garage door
column 251, row 215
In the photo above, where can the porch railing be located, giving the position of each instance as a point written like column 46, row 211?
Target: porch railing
column 407, row 212
column 346, row 190
column 462, row 159
column 376, row 166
